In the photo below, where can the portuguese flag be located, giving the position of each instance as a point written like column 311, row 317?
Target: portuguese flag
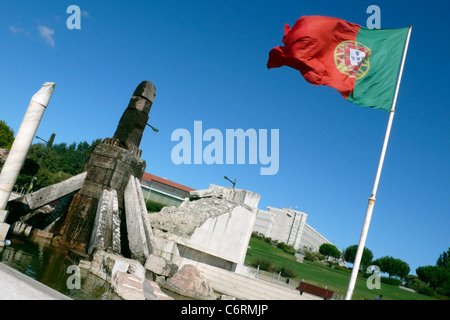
column 362, row 64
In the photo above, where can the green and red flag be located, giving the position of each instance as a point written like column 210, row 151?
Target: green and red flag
column 362, row 64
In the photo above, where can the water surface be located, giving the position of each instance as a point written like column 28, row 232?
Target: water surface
column 49, row 265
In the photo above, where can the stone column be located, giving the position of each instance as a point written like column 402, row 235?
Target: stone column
column 19, row 149
column 106, row 231
column 140, row 235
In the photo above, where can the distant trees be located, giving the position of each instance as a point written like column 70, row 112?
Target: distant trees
column 430, row 280
column 392, row 266
column 437, row 276
column 59, row 162
column 433, row 275
column 63, row 158
column 48, row 163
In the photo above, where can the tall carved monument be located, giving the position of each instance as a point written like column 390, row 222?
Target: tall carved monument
column 109, row 210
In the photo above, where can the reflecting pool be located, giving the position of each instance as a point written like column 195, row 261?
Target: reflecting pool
column 49, row 265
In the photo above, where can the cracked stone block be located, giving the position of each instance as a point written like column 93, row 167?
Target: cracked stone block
column 106, row 231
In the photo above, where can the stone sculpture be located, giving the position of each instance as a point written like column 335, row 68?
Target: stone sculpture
column 98, row 211
column 213, row 226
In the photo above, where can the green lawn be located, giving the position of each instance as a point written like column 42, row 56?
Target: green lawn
column 334, row 279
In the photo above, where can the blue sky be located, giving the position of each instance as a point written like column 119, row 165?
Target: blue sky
column 207, row 60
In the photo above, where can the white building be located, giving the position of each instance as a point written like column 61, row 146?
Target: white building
column 311, row 238
column 288, row 226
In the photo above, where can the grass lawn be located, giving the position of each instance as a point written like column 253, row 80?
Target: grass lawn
column 334, row 279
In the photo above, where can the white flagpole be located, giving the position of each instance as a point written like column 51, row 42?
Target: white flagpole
column 369, row 211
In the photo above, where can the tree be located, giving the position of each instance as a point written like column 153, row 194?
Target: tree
column 433, row 275
column 392, row 266
column 444, row 260
column 329, row 250
column 6, row 135
column 366, row 259
column 402, row 269
column 437, row 276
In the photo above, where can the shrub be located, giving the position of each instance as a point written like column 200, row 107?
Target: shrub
column 445, row 291
column 391, row 281
column 153, row 206
column 428, row 291
column 263, row 263
column 257, row 235
column 273, row 268
column 286, row 248
column 331, row 264
column 310, row 257
column 320, row 256
column 413, row 282
column 291, row 250
column 288, row 272
column 282, row 246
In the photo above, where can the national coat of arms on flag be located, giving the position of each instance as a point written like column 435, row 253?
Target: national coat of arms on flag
column 352, row 58
column 362, row 64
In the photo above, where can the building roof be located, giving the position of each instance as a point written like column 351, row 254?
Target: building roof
column 151, row 177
